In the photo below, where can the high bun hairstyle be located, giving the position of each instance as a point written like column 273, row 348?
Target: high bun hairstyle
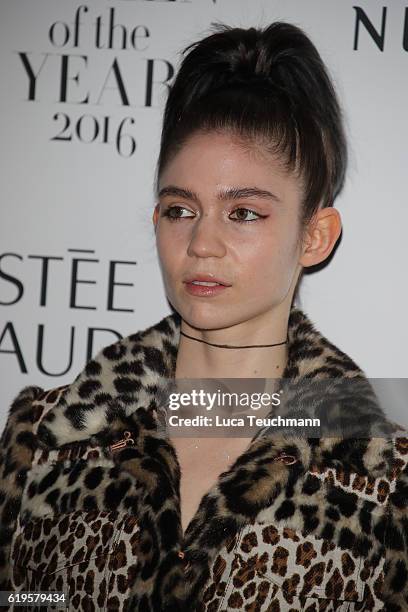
column 269, row 87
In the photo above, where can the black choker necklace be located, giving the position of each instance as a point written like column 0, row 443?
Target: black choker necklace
column 234, row 347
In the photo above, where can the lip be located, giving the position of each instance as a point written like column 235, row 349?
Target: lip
column 203, row 290
column 206, row 278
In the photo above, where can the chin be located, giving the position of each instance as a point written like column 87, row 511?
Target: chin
column 208, row 318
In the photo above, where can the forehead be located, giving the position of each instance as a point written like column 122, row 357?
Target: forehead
column 208, row 159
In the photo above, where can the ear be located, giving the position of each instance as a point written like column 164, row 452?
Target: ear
column 155, row 216
column 321, row 236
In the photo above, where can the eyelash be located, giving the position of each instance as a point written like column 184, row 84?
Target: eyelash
column 260, row 217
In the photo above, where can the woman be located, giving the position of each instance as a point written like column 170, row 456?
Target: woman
column 99, row 501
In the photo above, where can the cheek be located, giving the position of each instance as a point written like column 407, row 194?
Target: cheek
column 168, row 249
column 163, row 243
column 266, row 260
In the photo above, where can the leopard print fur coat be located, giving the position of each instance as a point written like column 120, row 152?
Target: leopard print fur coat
column 89, row 497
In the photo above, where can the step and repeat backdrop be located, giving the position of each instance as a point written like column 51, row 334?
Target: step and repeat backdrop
column 83, row 86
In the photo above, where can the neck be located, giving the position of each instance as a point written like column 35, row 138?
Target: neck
column 200, row 360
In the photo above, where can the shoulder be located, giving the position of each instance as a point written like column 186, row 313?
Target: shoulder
column 18, row 442
column 19, row 413
column 18, row 435
column 24, row 399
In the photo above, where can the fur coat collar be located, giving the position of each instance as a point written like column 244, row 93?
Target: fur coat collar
column 127, row 381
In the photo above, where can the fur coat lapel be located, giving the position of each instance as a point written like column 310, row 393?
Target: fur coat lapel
column 122, row 387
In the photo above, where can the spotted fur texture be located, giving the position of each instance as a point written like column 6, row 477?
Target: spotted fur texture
column 327, row 532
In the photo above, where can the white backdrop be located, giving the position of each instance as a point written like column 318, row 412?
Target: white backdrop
column 80, row 124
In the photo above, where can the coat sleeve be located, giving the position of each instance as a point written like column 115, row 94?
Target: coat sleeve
column 17, row 446
column 396, row 537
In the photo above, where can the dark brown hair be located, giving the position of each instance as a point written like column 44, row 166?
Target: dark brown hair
column 266, row 86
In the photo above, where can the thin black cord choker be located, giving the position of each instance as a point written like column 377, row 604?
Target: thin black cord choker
column 234, row 347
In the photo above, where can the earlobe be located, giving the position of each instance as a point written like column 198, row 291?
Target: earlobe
column 321, row 237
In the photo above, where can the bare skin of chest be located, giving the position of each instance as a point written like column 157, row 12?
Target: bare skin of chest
column 200, row 468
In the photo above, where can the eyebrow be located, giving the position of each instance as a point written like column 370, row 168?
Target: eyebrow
column 232, row 193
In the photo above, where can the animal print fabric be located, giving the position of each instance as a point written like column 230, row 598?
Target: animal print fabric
column 327, row 531
column 278, row 569
column 89, row 555
column 92, row 555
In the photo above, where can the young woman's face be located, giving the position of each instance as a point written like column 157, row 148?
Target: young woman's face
column 231, row 213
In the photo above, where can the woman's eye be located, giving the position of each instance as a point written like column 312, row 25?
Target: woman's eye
column 247, row 210
column 173, row 214
column 174, row 217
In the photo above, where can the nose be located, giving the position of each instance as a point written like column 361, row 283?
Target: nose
column 206, row 238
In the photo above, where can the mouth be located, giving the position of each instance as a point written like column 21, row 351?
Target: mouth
column 206, row 284
column 206, row 281
column 204, row 288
